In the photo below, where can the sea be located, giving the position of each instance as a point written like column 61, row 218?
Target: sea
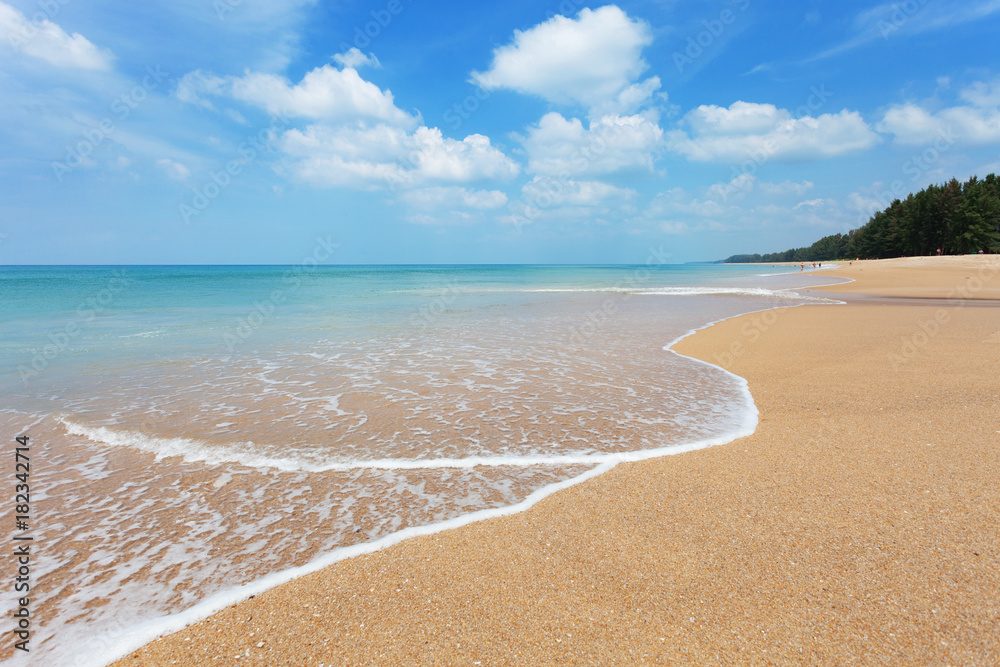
column 197, row 434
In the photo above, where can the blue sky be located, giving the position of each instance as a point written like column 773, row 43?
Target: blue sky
column 241, row 131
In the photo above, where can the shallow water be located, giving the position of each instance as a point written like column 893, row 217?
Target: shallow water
column 197, row 428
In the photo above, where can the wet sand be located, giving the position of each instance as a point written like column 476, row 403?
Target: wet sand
column 860, row 524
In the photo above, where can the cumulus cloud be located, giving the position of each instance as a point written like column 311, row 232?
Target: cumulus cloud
column 594, row 60
column 325, row 93
column 385, row 156
column 46, row 41
column 360, row 137
column 763, row 132
column 354, row 58
column 612, row 143
column 975, row 123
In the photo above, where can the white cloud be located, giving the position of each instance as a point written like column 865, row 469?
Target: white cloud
column 865, row 203
column 910, row 124
column 560, row 146
column 676, row 211
column 354, row 58
column 737, row 188
column 548, row 192
column 439, row 206
column 195, row 87
column 762, row 132
column 982, row 93
column 173, row 169
column 568, row 201
column 677, row 205
column 453, row 197
column 363, row 139
column 823, row 213
column 813, row 203
column 891, row 20
column 594, row 60
column 785, row 188
column 326, row 93
column 674, row 227
column 46, row 41
column 385, row 156
column 744, row 184
column 976, row 123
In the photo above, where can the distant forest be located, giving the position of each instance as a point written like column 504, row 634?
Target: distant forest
column 957, row 218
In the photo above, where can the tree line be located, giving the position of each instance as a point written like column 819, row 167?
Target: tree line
column 955, row 218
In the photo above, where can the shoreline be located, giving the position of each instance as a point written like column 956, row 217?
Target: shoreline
column 462, row 562
column 142, row 635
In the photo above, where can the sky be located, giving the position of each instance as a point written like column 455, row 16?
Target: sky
column 413, row 132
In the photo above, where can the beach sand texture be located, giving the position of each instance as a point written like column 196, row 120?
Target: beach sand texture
column 859, row 524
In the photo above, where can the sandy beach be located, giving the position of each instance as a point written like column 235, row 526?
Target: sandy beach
column 859, row 524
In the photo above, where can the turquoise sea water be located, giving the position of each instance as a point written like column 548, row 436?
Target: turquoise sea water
column 198, row 428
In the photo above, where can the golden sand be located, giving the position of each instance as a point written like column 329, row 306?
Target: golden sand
column 860, row 524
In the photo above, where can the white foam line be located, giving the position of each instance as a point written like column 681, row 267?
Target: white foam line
column 675, row 291
column 193, row 451
column 798, row 273
column 118, row 647
column 142, row 634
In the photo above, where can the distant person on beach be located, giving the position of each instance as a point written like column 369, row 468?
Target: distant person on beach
column 802, row 267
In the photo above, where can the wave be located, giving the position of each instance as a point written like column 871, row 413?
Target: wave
column 756, row 292
column 144, row 334
column 655, row 291
column 248, row 454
